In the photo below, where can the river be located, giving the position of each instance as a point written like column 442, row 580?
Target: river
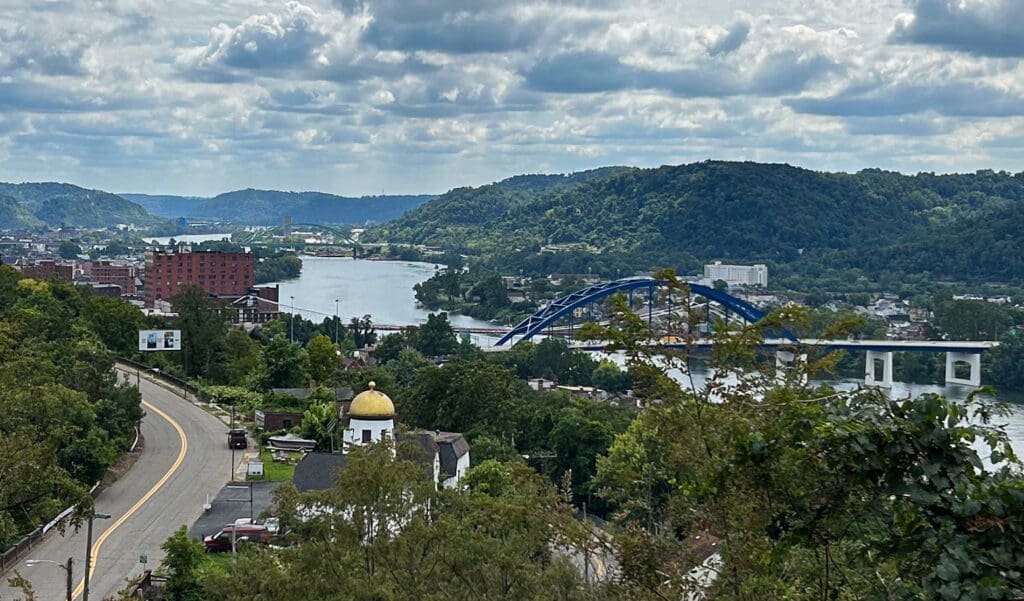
column 381, row 289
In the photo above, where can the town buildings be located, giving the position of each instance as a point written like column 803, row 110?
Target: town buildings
column 748, row 275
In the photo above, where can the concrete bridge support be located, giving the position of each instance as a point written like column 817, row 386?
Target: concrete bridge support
column 785, row 361
column 971, row 359
column 870, row 377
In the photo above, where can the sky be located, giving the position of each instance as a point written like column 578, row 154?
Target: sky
column 420, row 96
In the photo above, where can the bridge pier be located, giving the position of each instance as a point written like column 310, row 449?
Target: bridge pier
column 870, row 377
column 785, row 361
column 973, row 360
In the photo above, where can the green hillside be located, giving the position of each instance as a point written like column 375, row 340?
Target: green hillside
column 68, row 205
column 960, row 226
column 166, row 205
column 15, row 217
column 269, row 206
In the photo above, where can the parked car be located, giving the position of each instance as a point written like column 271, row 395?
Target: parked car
column 237, row 439
column 249, row 533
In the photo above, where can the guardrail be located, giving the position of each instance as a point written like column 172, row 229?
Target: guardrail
column 12, row 556
column 154, row 372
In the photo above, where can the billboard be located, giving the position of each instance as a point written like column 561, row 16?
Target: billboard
column 159, row 340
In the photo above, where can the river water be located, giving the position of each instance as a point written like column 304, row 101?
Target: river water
column 383, row 290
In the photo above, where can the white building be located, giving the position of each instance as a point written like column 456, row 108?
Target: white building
column 371, row 418
column 750, row 275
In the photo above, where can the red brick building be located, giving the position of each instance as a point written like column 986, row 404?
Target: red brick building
column 219, row 273
column 45, row 269
column 105, row 272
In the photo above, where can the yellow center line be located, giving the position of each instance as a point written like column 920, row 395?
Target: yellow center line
column 121, row 520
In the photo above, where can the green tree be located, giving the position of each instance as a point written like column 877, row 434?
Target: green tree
column 284, row 364
column 608, row 376
column 203, row 330
column 116, row 322
column 436, row 337
column 322, row 360
column 973, row 320
column 184, row 555
column 469, row 397
column 69, row 250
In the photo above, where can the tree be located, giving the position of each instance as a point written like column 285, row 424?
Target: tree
column 322, row 360
column 814, row 493
column 116, row 322
column 436, row 337
column 284, row 364
column 363, row 334
column 469, row 397
column 203, row 330
column 181, row 563
column 608, row 376
column 69, row 250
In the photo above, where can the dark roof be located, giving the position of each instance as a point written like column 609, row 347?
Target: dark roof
column 316, row 471
column 451, row 446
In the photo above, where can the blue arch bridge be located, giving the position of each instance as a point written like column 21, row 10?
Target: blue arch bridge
column 878, row 353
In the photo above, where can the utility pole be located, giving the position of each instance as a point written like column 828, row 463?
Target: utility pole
column 335, row 321
column 88, row 551
column 291, row 325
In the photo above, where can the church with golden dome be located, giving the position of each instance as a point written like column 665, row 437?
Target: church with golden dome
column 371, row 418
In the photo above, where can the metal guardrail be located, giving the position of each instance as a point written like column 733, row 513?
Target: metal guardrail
column 167, row 378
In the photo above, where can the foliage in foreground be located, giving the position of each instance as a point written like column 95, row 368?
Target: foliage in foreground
column 814, row 494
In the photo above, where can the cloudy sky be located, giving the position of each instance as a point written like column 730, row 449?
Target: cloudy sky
column 401, row 96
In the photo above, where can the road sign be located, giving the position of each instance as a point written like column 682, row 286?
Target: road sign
column 143, row 559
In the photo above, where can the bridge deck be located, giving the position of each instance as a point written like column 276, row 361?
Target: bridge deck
column 919, row 346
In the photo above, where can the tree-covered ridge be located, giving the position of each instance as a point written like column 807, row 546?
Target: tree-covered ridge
column 13, row 216
column 631, row 219
column 65, row 418
column 59, row 205
column 269, row 206
column 449, row 219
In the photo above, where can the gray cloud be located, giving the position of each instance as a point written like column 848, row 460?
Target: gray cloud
column 31, row 51
column 961, row 99
column 986, row 28
column 587, row 72
column 731, row 41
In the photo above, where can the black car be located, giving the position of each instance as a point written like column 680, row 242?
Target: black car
column 237, row 439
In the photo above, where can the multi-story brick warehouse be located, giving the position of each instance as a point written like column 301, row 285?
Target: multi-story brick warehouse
column 105, row 272
column 219, row 273
column 45, row 269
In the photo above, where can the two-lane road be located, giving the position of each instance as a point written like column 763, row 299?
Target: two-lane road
column 185, row 461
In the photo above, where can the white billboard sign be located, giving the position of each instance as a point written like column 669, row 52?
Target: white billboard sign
column 159, row 340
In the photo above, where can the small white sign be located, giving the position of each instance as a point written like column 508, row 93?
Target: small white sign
column 255, row 468
column 159, row 340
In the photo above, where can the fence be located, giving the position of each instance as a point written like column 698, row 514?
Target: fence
column 165, row 377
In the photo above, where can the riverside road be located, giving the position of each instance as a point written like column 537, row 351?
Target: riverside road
column 185, row 458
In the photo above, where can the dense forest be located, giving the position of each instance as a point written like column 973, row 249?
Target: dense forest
column 66, row 205
column 269, row 206
column 802, row 223
column 65, row 418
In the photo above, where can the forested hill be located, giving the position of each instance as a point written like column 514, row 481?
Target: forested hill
column 166, row 205
column 462, row 212
column 269, row 206
column 630, row 219
column 59, row 205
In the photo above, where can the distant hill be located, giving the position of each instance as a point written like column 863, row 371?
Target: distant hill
column 622, row 220
column 59, row 205
column 15, row 217
column 469, row 212
column 166, row 206
column 269, row 206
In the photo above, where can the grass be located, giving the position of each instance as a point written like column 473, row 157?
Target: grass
column 276, row 471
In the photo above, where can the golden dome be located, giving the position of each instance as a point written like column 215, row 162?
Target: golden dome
column 371, row 404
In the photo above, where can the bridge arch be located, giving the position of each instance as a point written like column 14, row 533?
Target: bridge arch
column 559, row 307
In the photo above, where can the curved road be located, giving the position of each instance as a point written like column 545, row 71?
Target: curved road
column 185, row 458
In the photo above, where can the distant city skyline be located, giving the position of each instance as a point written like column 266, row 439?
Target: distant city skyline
column 420, row 96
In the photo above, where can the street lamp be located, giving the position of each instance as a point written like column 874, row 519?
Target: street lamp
column 291, row 325
column 335, row 321
column 66, row 568
column 88, row 551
